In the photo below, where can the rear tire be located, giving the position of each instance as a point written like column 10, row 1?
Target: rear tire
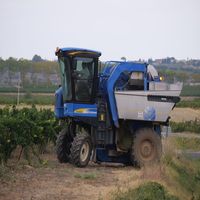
column 146, row 148
column 63, row 144
column 81, row 149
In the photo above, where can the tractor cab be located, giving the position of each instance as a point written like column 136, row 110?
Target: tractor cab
column 79, row 76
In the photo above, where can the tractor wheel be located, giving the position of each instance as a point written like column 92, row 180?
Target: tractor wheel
column 146, row 148
column 63, row 144
column 81, row 149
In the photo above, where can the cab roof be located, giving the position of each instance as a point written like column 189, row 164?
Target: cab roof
column 72, row 51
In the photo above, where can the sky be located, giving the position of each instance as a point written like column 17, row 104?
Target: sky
column 118, row 28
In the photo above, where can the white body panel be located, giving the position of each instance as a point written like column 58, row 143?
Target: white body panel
column 135, row 104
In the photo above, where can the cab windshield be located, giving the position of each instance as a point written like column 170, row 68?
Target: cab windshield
column 83, row 78
column 65, row 78
column 77, row 77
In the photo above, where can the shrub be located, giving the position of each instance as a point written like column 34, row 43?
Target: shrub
column 26, row 128
column 150, row 191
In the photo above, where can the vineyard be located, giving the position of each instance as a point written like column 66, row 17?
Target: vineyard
column 29, row 129
column 29, row 134
column 32, row 129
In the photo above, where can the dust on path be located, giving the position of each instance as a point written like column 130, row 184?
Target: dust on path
column 64, row 181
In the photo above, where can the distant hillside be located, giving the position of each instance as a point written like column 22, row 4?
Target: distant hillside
column 28, row 73
column 187, row 71
column 38, row 75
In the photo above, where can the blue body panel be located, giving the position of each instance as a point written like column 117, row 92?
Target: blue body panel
column 102, row 155
column 114, row 76
column 59, row 109
column 62, row 110
column 80, row 110
column 111, row 77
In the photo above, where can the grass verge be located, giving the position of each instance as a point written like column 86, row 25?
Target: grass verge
column 27, row 99
column 187, row 143
column 90, row 176
column 182, row 173
column 194, row 103
column 189, row 126
column 146, row 191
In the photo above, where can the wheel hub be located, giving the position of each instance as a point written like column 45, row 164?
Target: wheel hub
column 84, row 152
column 147, row 150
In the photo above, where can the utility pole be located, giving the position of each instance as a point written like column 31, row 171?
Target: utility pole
column 18, row 92
column 18, row 88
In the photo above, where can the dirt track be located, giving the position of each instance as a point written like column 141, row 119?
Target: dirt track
column 55, row 181
column 64, row 181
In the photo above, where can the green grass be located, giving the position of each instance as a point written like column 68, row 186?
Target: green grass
column 8, row 89
column 187, row 143
column 33, row 89
column 41, row 89
column 146, row 191
column 184, row 174
column 188, row 177
column 6, row 173
column 27, row 99
column 188, row 126
column 193, row 90
column 90, row 176
column 195, row 103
